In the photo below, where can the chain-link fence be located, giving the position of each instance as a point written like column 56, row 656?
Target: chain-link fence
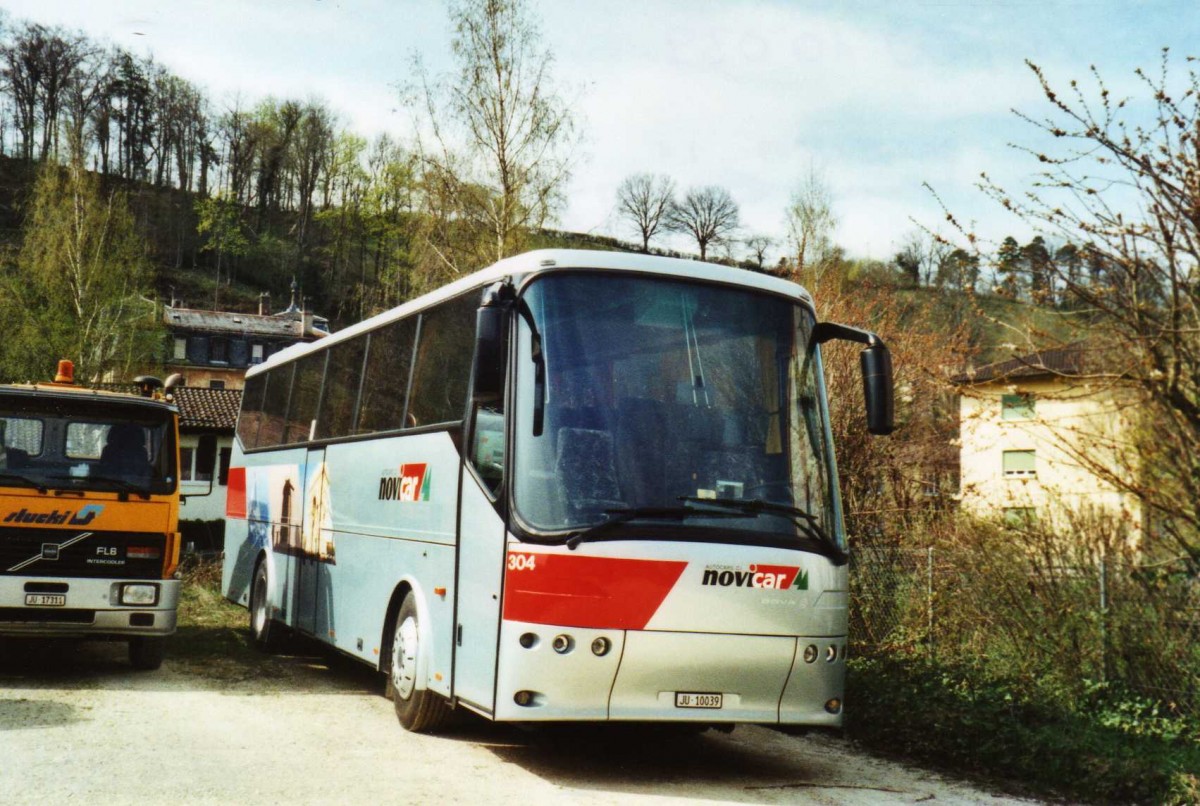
column 1032, row 618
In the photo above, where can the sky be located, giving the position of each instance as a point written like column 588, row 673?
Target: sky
column 878, row 98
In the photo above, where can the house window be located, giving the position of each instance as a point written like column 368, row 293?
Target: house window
column 1016, row 407
column 180, row 353
column 1019, row 463
column 186, row 456
column 206, row 457
column 216, row 384
column 224, row 456
column 256, row 354
column 1020, row 517
column 219, row 351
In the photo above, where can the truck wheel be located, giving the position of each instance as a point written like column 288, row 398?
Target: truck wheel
column 264, row 629
column 146, row 652
column 419, row 709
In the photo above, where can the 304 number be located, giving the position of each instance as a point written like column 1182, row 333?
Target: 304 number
column 522, row 562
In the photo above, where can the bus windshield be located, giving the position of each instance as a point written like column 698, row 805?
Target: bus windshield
column 87, row 445
column 662, row 394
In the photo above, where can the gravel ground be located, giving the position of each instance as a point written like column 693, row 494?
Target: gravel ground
column 78, row 725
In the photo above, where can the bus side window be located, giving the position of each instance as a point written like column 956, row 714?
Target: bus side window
column 384, row 388
column 487, row 446
column 443, row 370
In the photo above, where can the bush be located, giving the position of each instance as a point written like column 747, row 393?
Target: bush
column 1107, row 747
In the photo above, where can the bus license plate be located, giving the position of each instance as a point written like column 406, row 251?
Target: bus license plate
column 45, row 600
column 692, row 699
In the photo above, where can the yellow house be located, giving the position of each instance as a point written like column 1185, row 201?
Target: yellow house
column 1046, row 438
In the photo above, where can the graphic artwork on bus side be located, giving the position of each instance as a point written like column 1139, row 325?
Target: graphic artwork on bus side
column 410, row 485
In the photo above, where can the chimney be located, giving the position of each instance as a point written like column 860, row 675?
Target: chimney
column 264, row 303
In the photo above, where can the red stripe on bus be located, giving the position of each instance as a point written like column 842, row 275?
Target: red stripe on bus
column 235, row 493
column 574, row 591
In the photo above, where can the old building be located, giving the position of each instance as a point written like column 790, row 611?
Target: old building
column 213, row 348
column 1046, row 438
column 207, row 418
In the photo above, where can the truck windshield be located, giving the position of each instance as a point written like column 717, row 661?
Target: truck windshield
column 85, row 445
column 662, row 393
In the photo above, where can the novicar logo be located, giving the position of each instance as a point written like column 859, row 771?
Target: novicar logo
column 55, row 518
column 768, row 577
column 412, row 484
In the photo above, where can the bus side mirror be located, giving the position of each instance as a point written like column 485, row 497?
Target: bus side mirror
column 876, row 363
column 488, row 367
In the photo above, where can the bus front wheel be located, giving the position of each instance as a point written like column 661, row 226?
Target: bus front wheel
column 419, row 709
column 263, row 628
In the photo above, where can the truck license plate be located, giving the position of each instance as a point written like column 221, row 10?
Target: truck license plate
column 693, row 699
column 45, row 600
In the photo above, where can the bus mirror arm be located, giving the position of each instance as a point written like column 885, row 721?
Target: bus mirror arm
column 876, row 364
column 487, row 370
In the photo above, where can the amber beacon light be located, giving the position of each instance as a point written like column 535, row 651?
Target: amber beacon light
column 66, row 372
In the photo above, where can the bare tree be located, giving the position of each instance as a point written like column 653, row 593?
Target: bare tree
column 496, row 135
column 1119, row 178
column 810, row 226
column 709, row 214
column 644, row 200
column 758, row 246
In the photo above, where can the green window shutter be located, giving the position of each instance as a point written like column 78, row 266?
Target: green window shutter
column 1016, row 407
column 1020, row 463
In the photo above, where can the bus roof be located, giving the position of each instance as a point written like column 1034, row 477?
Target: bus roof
column 550, row 260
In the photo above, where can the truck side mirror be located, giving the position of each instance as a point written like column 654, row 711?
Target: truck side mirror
column 488, row 366
column 876, row 364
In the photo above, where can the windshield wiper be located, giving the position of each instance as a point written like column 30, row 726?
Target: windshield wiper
column 19, row 479
column 619, row 516
column 805, row 521
column 539, row 366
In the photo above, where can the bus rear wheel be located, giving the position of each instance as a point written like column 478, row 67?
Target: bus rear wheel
column 263, row 628
column 419, row 709
column 146, row 652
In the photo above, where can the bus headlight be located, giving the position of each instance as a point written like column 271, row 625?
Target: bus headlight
column 810, row 653
column 563, row 644
column 139, row 595
column 600, row 647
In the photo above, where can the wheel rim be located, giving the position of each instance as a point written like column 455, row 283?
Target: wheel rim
column 404, row 658
column 260, row 603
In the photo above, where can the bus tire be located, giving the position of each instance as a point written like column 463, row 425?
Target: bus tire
column 418, row 709
column 146, row 652
column 263, row 629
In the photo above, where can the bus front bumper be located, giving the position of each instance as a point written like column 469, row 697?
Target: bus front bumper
column 647, row 676
column 86, row 607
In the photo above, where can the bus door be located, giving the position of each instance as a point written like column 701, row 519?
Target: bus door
column 310, row 556
column 480, row 574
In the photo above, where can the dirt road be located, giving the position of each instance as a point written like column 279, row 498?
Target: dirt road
column 78, row 725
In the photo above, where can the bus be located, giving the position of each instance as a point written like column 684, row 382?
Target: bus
column 573, row 486
column 89, row 513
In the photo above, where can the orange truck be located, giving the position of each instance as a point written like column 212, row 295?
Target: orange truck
column 89, row 513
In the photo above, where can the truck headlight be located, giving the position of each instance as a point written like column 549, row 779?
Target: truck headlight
column 139, row 595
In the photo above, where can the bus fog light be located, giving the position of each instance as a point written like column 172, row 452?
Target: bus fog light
column 601, row 646
column 834, row 706
column 523, row 698
column 830, row 653
column 810, row 653
column 139, row 595
column 528, row 640
column 563, row 644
